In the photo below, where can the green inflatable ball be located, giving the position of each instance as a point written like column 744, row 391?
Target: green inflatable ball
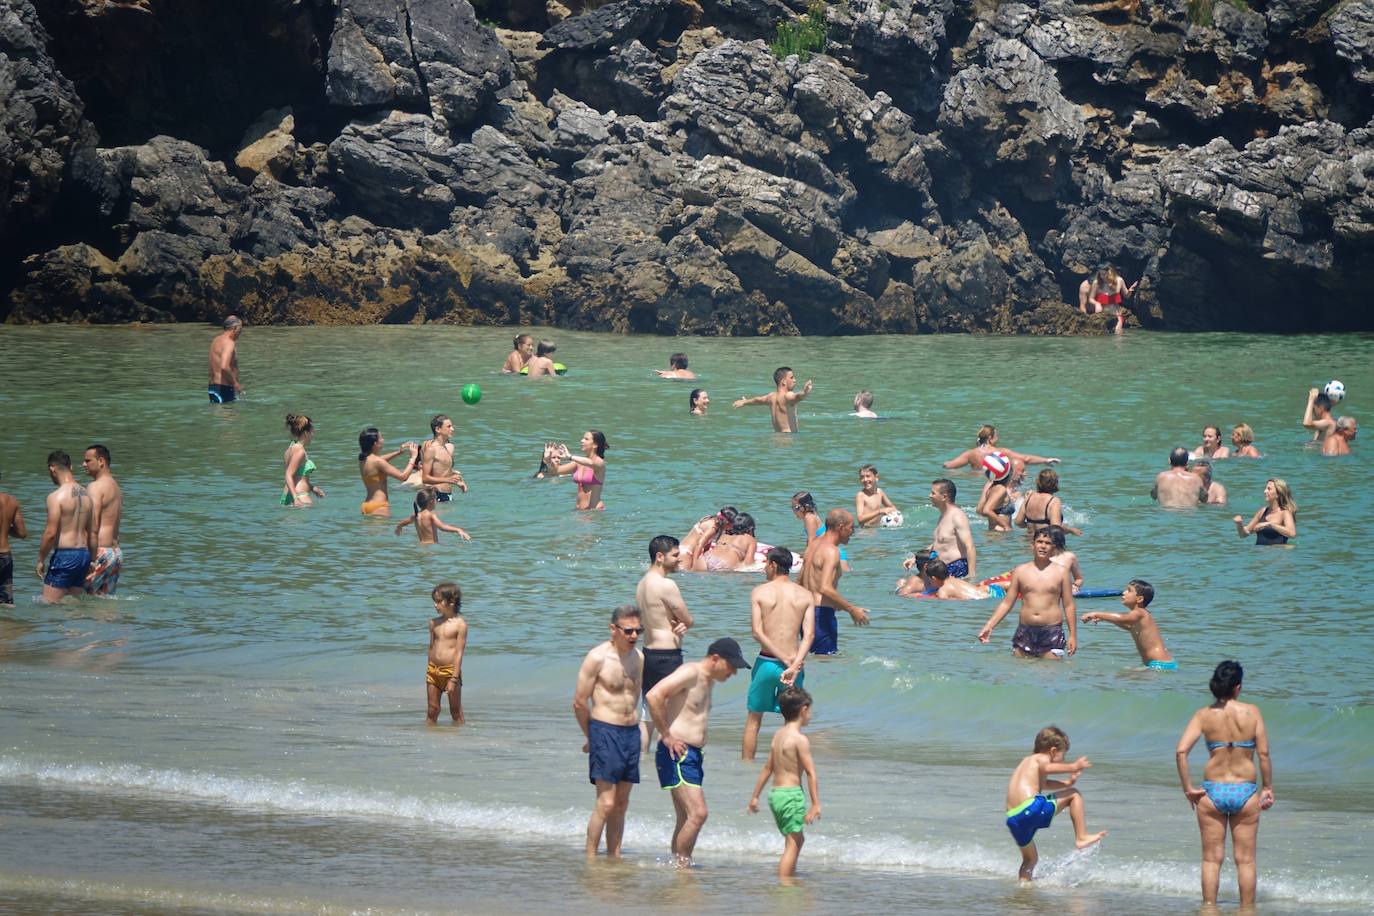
column 471, row 393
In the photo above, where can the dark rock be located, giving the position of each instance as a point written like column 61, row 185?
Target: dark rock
column 1352, row 34
column 605, row 27
column 41, row 124
column 394, row 171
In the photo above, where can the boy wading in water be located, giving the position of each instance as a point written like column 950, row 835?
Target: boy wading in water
column 1140, row 623
column 789, row 758
column 1033, row 800
column 448, row 637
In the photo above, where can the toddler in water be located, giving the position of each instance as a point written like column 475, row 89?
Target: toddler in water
column 1033, row 800
column 863, row 405
column 448, row 637
column 1136, row 597
column 789, row 757
column 427, row 524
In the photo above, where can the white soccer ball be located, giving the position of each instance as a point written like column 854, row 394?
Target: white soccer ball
column 892, row 520
column 1334, row 390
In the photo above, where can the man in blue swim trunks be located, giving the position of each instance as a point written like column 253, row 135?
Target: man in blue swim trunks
column 782, row 616
column 953, row 538
column 224, row 363
column 821, row 574
column 66, row 535
column 679, row 705
column 609, row 681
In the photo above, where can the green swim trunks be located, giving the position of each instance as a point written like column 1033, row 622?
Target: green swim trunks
column 788, row 805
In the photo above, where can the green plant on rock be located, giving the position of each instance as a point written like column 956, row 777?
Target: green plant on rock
column 801, row 37
column 1200, row 11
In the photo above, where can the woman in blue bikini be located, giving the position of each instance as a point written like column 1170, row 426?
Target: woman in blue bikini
column 1234, row 732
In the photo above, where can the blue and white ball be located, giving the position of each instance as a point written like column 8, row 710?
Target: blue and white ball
column 1334, row 390
column 893, row 519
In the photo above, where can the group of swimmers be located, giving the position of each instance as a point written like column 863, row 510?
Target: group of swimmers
column 624, row 695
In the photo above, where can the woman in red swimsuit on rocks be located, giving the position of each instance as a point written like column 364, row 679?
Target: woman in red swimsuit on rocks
column 1106, row 290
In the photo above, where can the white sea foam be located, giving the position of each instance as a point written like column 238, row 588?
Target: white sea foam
column 1095, row 867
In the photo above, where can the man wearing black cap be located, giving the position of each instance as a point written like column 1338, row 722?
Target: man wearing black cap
column 679, row 705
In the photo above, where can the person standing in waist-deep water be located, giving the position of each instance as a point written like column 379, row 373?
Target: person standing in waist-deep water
column 436, row 461
column 677, row 368
column 67, row 534
column 11, row 523
column 953, row 537
column 665, row 615
column 1211, row 446
column 679, row 705
column 821, row 575
column 1274, row 522
column 375, row 468
column 520, row 355
column 107, row 508
column 1338, row 443
column 1243, row 442
column 540, row 365
column 606, row 705
column 1178, row 488
column 224, row 363
column 1234, row 732
column 588, row 469
column 1047, row 605
column 782, row 617
column 296, row 486
column 782, row 402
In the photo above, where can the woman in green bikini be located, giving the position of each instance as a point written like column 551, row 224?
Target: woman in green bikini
column 296, row 487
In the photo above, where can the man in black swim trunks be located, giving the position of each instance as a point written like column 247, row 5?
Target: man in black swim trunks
column 1046, row 593
column 224, row 363
column 665, row 617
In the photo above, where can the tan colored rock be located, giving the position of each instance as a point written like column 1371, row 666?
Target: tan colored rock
column 268, row 146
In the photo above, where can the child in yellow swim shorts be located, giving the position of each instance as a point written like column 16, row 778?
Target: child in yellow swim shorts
column 448, row 637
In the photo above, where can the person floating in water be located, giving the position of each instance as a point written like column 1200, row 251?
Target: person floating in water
column 1033, row 799
column 1140, row 623
column 1211, row 446
column 1243, row 442
column 698, row 401
column 783, row 401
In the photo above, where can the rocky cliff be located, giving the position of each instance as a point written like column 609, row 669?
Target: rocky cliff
column 654, row 166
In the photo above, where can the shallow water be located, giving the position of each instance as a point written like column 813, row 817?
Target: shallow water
column 243, row 729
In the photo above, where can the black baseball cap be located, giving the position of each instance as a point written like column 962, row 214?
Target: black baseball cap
column 728, row 650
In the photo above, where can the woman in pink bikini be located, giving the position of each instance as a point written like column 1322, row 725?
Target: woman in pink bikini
column 588, row 469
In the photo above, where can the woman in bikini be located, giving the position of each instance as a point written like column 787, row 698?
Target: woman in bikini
column 1106, row 290
column 297, row 488
column 588, row 469
column 733, row 549
column 524, row 349
column 375, row 468
column 702, row 539
column 996, row 503
column 1044, row 507
column 1276, row 521
column 1234, row 732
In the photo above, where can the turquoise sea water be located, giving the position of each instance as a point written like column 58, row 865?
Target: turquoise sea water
column 242, row 730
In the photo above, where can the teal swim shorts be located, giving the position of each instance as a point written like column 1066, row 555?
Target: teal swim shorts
column 788, row 805
column 1162, row 666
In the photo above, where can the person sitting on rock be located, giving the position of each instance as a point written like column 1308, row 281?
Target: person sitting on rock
column 1106, row 290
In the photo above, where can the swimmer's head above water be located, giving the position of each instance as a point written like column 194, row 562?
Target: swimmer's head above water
column 1178, row 458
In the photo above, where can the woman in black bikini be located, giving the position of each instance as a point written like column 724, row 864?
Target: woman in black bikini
column 1044, row 507
column 1276, row 522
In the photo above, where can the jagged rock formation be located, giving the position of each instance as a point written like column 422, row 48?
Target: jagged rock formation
column 650, row 166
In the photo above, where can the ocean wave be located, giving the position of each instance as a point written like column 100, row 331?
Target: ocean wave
column 1095, row 867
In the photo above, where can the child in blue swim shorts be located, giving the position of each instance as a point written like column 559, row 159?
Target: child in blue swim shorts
column 1033, row 799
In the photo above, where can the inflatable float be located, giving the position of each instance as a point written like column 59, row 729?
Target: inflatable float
column 558, row 368
column 997, row 588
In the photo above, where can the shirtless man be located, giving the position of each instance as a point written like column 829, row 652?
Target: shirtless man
column 1211, row 446
column 953, row 538
column 783, row 619
column 1317, row 415
column 679, row 705
column 609, row 679
column 665, row 617
column 224, row 363
column 1177, row 488
column 107, row 508
column 821, row 575
column 783, row 401
column 1046, row 595
column 871, row 503
column 67, row 534
column 11, row 523
column 436, row 461
column 677, row 368
column 1338, row 443
column 1215, row 493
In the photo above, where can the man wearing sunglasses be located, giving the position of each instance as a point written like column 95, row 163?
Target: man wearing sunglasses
column 609, row 680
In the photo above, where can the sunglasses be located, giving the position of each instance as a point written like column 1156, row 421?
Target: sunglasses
column 630, row 631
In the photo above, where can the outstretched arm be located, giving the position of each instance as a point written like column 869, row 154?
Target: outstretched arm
column 745, row 402
column 452, row 529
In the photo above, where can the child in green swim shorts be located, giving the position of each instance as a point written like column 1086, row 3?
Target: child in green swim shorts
column 788, row 758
